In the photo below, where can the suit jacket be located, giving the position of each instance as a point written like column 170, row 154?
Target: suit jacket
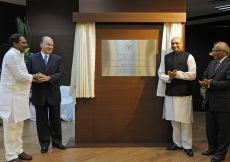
column 218, row 93
column 46, row 90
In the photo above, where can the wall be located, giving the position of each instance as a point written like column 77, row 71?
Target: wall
column 8, row 14
column 54, row 18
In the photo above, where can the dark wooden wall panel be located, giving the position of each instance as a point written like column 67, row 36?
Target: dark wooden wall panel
column 54, row 18
column 132, row 6
column 125, row 109
column 8, row 14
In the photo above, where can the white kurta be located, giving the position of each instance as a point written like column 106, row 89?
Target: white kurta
column 14, row 87
column 179, row 108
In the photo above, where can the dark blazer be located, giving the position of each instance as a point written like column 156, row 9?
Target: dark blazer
column 50, row 90
column 218, row 93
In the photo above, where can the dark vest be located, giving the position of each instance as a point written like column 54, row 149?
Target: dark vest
column 177, row 87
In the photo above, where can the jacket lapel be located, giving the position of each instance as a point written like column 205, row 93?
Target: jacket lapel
column 223, row 63
column 41, row 61
column 50, row 62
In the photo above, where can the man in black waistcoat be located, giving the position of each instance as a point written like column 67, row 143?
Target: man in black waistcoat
column 178, row 70
column 217, row 102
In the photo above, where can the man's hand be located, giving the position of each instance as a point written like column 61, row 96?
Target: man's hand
column 44, row 78
column 172, row 74
column 37, row 78
column 205, row 82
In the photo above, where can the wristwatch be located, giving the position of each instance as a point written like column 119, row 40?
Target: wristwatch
column 49, row 78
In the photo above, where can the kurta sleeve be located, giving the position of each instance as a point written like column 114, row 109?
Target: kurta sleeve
column 18, row 68
column 161, row 73
column 191, row 73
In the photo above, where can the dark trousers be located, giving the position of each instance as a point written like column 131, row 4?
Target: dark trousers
column 48, row 126
column 218, row 131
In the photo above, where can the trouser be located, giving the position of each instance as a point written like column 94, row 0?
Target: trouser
column 13, row 139
column 48, row 128
column 218, row 131
column 182, row 134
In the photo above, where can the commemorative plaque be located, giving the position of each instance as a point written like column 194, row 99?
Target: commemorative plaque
column 128, row 57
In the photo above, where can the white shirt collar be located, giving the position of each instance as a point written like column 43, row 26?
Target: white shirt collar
column 43, row 55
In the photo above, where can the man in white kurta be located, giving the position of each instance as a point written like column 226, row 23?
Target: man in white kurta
column 14, row 98
column 178, row 108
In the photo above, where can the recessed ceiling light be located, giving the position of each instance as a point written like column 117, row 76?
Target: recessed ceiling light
column 223, row 8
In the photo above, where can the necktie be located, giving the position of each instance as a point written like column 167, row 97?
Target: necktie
column 217, row 64
column 45, row 59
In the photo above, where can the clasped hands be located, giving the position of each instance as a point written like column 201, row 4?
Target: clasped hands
column 39, row 78
column 204, row 82
column 172, row 74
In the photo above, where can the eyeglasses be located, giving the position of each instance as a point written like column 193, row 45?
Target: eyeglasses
column 216, row 51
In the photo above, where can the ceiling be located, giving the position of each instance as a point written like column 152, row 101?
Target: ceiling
column 198, row 11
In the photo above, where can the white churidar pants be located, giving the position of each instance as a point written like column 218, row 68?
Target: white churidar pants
column 13, row 139
column 182, row 134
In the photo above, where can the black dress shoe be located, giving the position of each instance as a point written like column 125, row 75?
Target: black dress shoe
column 173, row 147
column 189, row 152
column 15, row 160
column 60, row 146
column 208, row 152
column 216, row 159
column 24, row 156
column 44, row 150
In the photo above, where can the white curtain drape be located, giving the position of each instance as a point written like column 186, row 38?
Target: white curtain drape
column 170, row 30
column 83, row 65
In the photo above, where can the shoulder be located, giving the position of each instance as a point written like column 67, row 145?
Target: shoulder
column 35, row 55
column 55, row 56
column 168, row 54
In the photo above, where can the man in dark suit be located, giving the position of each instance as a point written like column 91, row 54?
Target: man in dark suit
column 217, row 102
column 46, row 96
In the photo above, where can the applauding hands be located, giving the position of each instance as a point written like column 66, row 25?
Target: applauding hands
column 172, row 74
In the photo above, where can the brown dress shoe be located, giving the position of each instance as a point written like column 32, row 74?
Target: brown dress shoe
column 24, row 156
column 15, row 160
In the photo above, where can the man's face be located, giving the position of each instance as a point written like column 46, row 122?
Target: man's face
column 47, row 46
column 218, row 54
column 176, row 45
column 21, row 45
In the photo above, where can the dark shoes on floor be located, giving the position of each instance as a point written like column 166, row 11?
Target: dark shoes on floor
column 15, row 160
column 24, row 156
column 189, row 152
column 216, row 159
column 44, row 150
column 59, row 146
column 208, row 152
column 173, row 147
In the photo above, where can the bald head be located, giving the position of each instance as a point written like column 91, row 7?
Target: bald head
column 220, row 50
column 176, row 44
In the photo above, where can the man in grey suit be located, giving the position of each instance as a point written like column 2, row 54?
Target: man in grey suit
column 46, row 96
column 217, row 102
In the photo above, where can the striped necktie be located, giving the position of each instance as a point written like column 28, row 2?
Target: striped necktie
column 217, row 64
column 45, row 59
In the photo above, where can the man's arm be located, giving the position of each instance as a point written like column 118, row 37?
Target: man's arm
column 18, row 69
column 161, row 73
column 191, row 73
column 54, row 78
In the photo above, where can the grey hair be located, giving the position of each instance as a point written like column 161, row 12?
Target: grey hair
column 44, row 38
column 223, row 46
